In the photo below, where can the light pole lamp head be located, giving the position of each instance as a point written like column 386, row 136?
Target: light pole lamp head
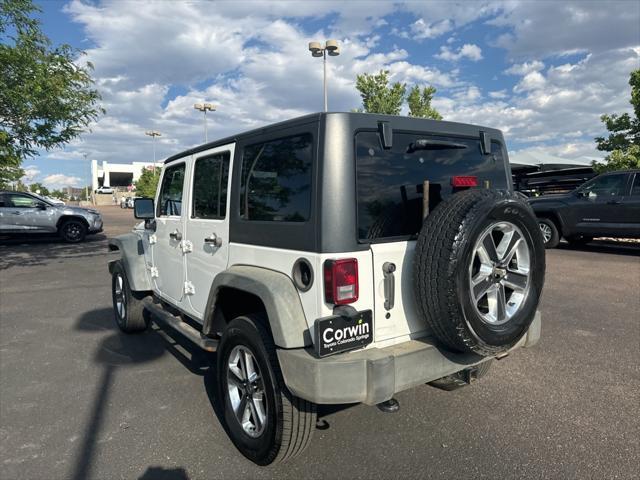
column 198, row 106
column 331, row 45
column 316, row 49
column 209, row 106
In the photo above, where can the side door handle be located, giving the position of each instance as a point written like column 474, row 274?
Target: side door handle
column 176, row 235
column 614, row 202
column 17, row 213
column 214, row 240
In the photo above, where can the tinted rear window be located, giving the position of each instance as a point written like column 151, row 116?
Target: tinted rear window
column 390, row 182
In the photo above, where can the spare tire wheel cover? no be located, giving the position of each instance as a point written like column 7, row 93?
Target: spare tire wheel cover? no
column 454, row 253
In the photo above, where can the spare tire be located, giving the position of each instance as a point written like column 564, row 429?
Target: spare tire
column 479, row 271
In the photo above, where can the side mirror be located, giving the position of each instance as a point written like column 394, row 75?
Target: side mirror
column 143, row 208
column 41, row 206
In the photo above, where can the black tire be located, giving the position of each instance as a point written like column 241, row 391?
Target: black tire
column 462, row 378
column 553, row 236
column 445, row 255
column 132, row 317
column 579, row 240
column 73, row 230
column 290, row 421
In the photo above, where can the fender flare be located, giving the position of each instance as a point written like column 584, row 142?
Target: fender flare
column 279, row 296
column 132, row 258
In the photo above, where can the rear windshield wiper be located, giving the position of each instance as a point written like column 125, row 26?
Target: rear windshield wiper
column 424, row 144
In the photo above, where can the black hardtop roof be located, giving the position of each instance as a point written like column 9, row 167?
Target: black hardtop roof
column 398, row 121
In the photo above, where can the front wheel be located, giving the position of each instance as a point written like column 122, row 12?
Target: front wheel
column 265, row 421
column 128, row 308
column 73, row 231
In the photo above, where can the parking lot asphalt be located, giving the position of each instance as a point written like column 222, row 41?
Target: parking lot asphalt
column 80, row 400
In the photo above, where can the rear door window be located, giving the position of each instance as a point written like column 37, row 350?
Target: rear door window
column 210, row 181
column 391, row 181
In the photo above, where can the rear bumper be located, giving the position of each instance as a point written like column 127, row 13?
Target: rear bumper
column 374, row 375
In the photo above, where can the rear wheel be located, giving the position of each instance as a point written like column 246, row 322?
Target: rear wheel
column 265, row 421
column 73, row 231
column 549, row 231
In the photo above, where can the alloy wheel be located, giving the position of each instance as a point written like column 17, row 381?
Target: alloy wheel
column 546, row 231
column 499, row 273
column 121, row 301
column 246, row 391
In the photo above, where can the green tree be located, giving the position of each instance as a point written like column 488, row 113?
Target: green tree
column 378, row 96
column 147, row 184
column 420, row 103
column 624, row 134
column 58, row 194
column 10, row 172
column 35, row 187
column 46, row 98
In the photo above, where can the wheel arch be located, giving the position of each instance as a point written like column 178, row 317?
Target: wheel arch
column 243, row 289
column 65, row 218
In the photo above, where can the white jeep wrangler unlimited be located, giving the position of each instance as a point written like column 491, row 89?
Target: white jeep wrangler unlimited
column 334, row 258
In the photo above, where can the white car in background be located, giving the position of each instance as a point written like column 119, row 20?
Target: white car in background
column 105, row 190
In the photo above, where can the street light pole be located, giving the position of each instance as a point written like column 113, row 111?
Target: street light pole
column 317, row 50
column 153, row 134
column 86, row 188
column 203, row 107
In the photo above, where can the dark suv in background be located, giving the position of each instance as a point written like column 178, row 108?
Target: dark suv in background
column 605, row 206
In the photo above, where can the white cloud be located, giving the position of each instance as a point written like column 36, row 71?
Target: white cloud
column 568, row 27
column 421, row 29
column 468, row 50
column 525, row 68
column 499, row 94
column 58, row 180
column 30, row 173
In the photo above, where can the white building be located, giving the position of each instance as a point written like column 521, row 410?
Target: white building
column 116, row 174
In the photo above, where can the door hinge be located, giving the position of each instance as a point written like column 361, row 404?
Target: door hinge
column 189, row 289
column 153, row 239
column 187, row 246
column 154, row 272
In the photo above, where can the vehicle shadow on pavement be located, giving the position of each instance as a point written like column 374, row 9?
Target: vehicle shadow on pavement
column 118, row 350
column 615, row 248
column 35, row 251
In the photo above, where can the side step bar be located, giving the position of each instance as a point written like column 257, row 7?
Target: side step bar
column 161, row 316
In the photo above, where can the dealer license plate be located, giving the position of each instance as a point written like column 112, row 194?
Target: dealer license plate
column 340, row 333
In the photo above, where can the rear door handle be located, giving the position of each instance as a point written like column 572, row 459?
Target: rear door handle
column 214, row 239
column 17, row 213
column 176, row 235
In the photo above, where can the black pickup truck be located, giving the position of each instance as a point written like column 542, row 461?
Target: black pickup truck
column 606, row 206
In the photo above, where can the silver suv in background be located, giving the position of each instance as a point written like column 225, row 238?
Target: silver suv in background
column 27, row 213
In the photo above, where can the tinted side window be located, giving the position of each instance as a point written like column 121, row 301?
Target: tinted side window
column 276, row 180
column 170, row 199
column 636, row 186
column 391, row 181
column 606, row 186
column 210, row 179
column 21, row 201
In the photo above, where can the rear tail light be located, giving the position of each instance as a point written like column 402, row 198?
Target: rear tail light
column 341, row 281
column 464, row 181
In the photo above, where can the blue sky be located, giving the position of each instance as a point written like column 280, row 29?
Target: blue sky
column 541, row 71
